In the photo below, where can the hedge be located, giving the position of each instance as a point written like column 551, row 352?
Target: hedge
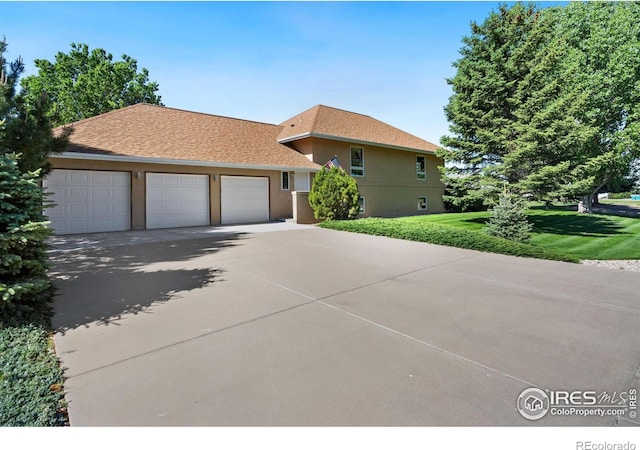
column 444, row 235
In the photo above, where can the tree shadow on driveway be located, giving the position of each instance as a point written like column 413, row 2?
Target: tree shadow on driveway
column 102, row 285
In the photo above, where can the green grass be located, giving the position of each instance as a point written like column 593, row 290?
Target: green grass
column 585, row 236
column 558, row 233
column 451, row 236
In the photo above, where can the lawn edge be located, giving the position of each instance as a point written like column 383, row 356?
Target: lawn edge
column 445, row 235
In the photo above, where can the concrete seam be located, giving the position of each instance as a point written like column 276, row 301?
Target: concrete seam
column 432, row 346
column 193, row 338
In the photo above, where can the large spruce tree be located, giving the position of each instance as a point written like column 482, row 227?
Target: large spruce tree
column 546, row 102
column 482, row 110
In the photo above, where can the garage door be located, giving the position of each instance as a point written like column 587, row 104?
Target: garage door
column 88, row 201
column 244, row 199
column 176, row 200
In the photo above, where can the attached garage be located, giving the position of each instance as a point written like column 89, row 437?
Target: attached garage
column 177, row 200
column 244, row 199
column 88, row 200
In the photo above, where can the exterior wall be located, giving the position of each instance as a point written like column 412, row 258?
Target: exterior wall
column 389, row 185
column 280, row 202
column 302, row 211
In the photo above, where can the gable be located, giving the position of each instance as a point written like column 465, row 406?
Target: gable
column 336, row 124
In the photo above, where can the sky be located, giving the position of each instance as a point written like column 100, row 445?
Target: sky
column 268, row 61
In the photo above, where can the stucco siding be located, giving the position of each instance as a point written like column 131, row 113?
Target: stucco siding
column 390, row 185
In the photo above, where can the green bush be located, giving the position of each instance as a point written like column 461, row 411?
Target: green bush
column 509, row 219
column 618, row 195
column 31, row 391
column 24, row 285
column 334, row 195
column 445, row 235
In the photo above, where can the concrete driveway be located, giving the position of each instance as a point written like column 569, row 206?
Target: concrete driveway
column 296, row 325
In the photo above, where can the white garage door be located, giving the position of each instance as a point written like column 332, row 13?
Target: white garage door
column 176, row 200
column 244, row 199
column 89, row 201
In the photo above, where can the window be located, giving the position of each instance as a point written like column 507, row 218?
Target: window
column 361, row 204
column 422, row 203
column 421, row 168
column 357, row 162
column 285, row 181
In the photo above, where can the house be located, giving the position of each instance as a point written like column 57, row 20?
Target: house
column 146, row 166
column 533, row 403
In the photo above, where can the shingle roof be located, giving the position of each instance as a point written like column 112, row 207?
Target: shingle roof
column 152, row 131
column 332, row 123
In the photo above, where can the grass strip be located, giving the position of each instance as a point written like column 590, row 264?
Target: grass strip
column 445, row 235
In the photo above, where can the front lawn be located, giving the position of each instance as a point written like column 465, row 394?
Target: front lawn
column 558, row 233
column 432, row 233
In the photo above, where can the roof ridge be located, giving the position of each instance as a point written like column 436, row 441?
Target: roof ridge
column 108, row 113
column 218, row 115
column 115, row 111
column 345, row 110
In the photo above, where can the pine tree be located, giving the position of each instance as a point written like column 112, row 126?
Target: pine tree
column 547, row 102
column 482, row 110
column 509, row 219
column 25, row 130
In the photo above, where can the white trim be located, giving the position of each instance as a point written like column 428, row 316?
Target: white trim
column 177, row 162
column 364, row 205
column 355, row 141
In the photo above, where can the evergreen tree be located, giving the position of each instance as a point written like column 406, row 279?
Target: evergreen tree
column 334, row 195
column 24, row 130
column 482, row 110
column 548, row 102
column 509, row 220
column 551, row 129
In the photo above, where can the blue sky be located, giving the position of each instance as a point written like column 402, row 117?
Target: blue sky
column 268, row 61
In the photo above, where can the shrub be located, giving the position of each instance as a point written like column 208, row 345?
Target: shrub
column 445, row 235
column 508, row 219
column 334, row 195
column 31, row 391
column 618, row 195
column 24, row 285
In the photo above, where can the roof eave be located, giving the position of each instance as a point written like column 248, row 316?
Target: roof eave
column 355, row 141
column 179, row 162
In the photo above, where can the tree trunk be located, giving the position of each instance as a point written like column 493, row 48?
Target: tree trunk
column 586, row 205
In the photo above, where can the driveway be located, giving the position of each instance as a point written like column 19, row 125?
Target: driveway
column 296, row 325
